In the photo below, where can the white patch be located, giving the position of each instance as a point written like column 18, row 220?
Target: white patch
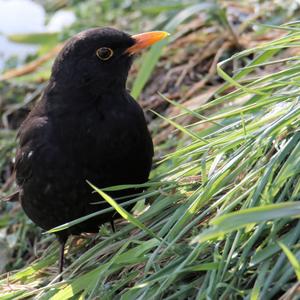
column 21, row 16
column 30, row 154
column 47, row 188
column 60, row 20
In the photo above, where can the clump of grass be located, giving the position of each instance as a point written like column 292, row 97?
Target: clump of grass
column 223, row 222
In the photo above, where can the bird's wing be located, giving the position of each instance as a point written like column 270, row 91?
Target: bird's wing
column 29, row 136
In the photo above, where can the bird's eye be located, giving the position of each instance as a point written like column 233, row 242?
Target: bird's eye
column 104, row 53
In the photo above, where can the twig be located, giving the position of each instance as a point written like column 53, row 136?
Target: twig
column 211, row 72
column 32, row 66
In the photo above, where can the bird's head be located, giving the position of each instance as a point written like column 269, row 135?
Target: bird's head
column 100, row 58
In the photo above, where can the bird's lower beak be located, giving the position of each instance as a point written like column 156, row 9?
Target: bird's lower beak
column 146, row 39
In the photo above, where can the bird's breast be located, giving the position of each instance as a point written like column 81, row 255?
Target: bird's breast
column 106, row 141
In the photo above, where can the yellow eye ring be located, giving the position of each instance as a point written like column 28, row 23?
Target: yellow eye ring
column 104, row 53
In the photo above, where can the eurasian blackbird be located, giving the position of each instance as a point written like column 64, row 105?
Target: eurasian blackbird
column 86, row 127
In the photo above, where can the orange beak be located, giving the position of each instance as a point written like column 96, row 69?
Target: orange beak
column 146, row 39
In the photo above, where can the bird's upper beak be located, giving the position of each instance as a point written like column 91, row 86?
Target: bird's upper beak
column 146, row 39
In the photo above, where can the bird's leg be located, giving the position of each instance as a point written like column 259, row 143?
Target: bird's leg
column 62, row 241
column 112, row 225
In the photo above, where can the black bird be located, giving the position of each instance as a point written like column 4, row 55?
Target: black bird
column 86, row 127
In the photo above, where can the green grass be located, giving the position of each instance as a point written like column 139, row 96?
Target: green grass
column 225, row 204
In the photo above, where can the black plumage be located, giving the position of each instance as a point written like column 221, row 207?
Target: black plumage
column 85, row 127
